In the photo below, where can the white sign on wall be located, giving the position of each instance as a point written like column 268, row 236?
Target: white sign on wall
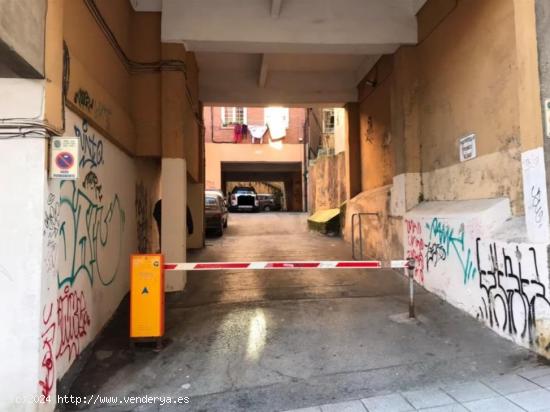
column 534, row 195
column 64, row 158
column 467, row 148
column 547, row 116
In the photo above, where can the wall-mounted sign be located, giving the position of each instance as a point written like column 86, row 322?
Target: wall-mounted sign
column 547, row 116
column 64, row 158
column 467, row 147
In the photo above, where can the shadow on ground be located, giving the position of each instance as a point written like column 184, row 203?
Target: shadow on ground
column 277, row 340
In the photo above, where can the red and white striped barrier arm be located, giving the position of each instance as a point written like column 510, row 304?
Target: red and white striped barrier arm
column 323, row 264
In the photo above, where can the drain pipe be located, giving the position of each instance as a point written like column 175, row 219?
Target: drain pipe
column 305, row 141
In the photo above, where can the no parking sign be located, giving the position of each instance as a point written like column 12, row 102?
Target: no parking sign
column 64, row 158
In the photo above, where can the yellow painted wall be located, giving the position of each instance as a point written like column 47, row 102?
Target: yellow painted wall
column 327, row 183
column 97, row 72
column 127, row 107
column 466, row 75
column 218, row 153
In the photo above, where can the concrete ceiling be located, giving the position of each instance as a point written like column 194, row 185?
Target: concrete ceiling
column 290, row 52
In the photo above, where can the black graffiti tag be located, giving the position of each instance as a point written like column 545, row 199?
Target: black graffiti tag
column 536, row 204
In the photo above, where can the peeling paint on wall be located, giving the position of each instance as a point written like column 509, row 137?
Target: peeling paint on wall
column 327, row 182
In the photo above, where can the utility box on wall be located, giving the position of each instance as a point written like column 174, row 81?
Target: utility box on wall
column 146, row 297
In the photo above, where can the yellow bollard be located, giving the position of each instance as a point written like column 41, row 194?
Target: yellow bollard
column 146, row 298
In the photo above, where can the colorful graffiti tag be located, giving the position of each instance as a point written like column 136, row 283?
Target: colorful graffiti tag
column 443, row 241
column 83, row 230
column 88, row 232
column 415, row 247
column 511, row 293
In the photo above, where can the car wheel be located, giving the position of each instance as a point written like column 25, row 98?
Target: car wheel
column 267, row 209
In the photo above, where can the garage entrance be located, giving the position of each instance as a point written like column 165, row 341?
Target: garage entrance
column 282, row 179
column 253, row 340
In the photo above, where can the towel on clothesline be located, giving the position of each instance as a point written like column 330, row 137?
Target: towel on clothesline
column 257, row 131
column 277, row 121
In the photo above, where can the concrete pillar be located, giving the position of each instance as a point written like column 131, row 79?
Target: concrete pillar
column 195, row 201
column 23, row 182
column 174, row 168
column 543, row 42
column 174, row 223
column 353, row 149
column 530, row 119
column 405, row 129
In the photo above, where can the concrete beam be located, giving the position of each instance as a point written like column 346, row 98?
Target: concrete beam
column 262, row 77
column 276, row 6
column 366, row 65
column 284, row 88
column 291, row 48
column 355, row 24
column 147, row 5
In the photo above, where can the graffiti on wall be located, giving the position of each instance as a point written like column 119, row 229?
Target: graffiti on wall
column 143, row 213
column 513, row 295
column 535, row 195
column 73, row 322
column 510, row 293
column 48, row 338
column 91, row 148
column 50, row 233
column 415, row 247
column 84, row 100
column 84, row 237
column 62, row 334
column 91, row 182
column 89, row 232
column 444, row 241
column 536, row 205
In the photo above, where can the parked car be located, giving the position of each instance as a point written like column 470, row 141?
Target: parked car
column 215, row 212
column 224, row 202
column 268, row 202
column 244, row 198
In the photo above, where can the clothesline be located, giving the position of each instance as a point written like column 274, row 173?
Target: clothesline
column 257, row 132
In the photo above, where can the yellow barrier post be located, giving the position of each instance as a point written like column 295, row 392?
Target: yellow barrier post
column 147, row 298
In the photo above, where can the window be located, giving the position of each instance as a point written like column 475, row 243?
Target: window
column 233, row 115
column 328, row 120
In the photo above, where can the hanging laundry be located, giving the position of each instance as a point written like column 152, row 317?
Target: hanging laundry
column 277, row 121
column 237, row 133
column 257, row 132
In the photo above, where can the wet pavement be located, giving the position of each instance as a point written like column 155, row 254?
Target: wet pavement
column 279, row 340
